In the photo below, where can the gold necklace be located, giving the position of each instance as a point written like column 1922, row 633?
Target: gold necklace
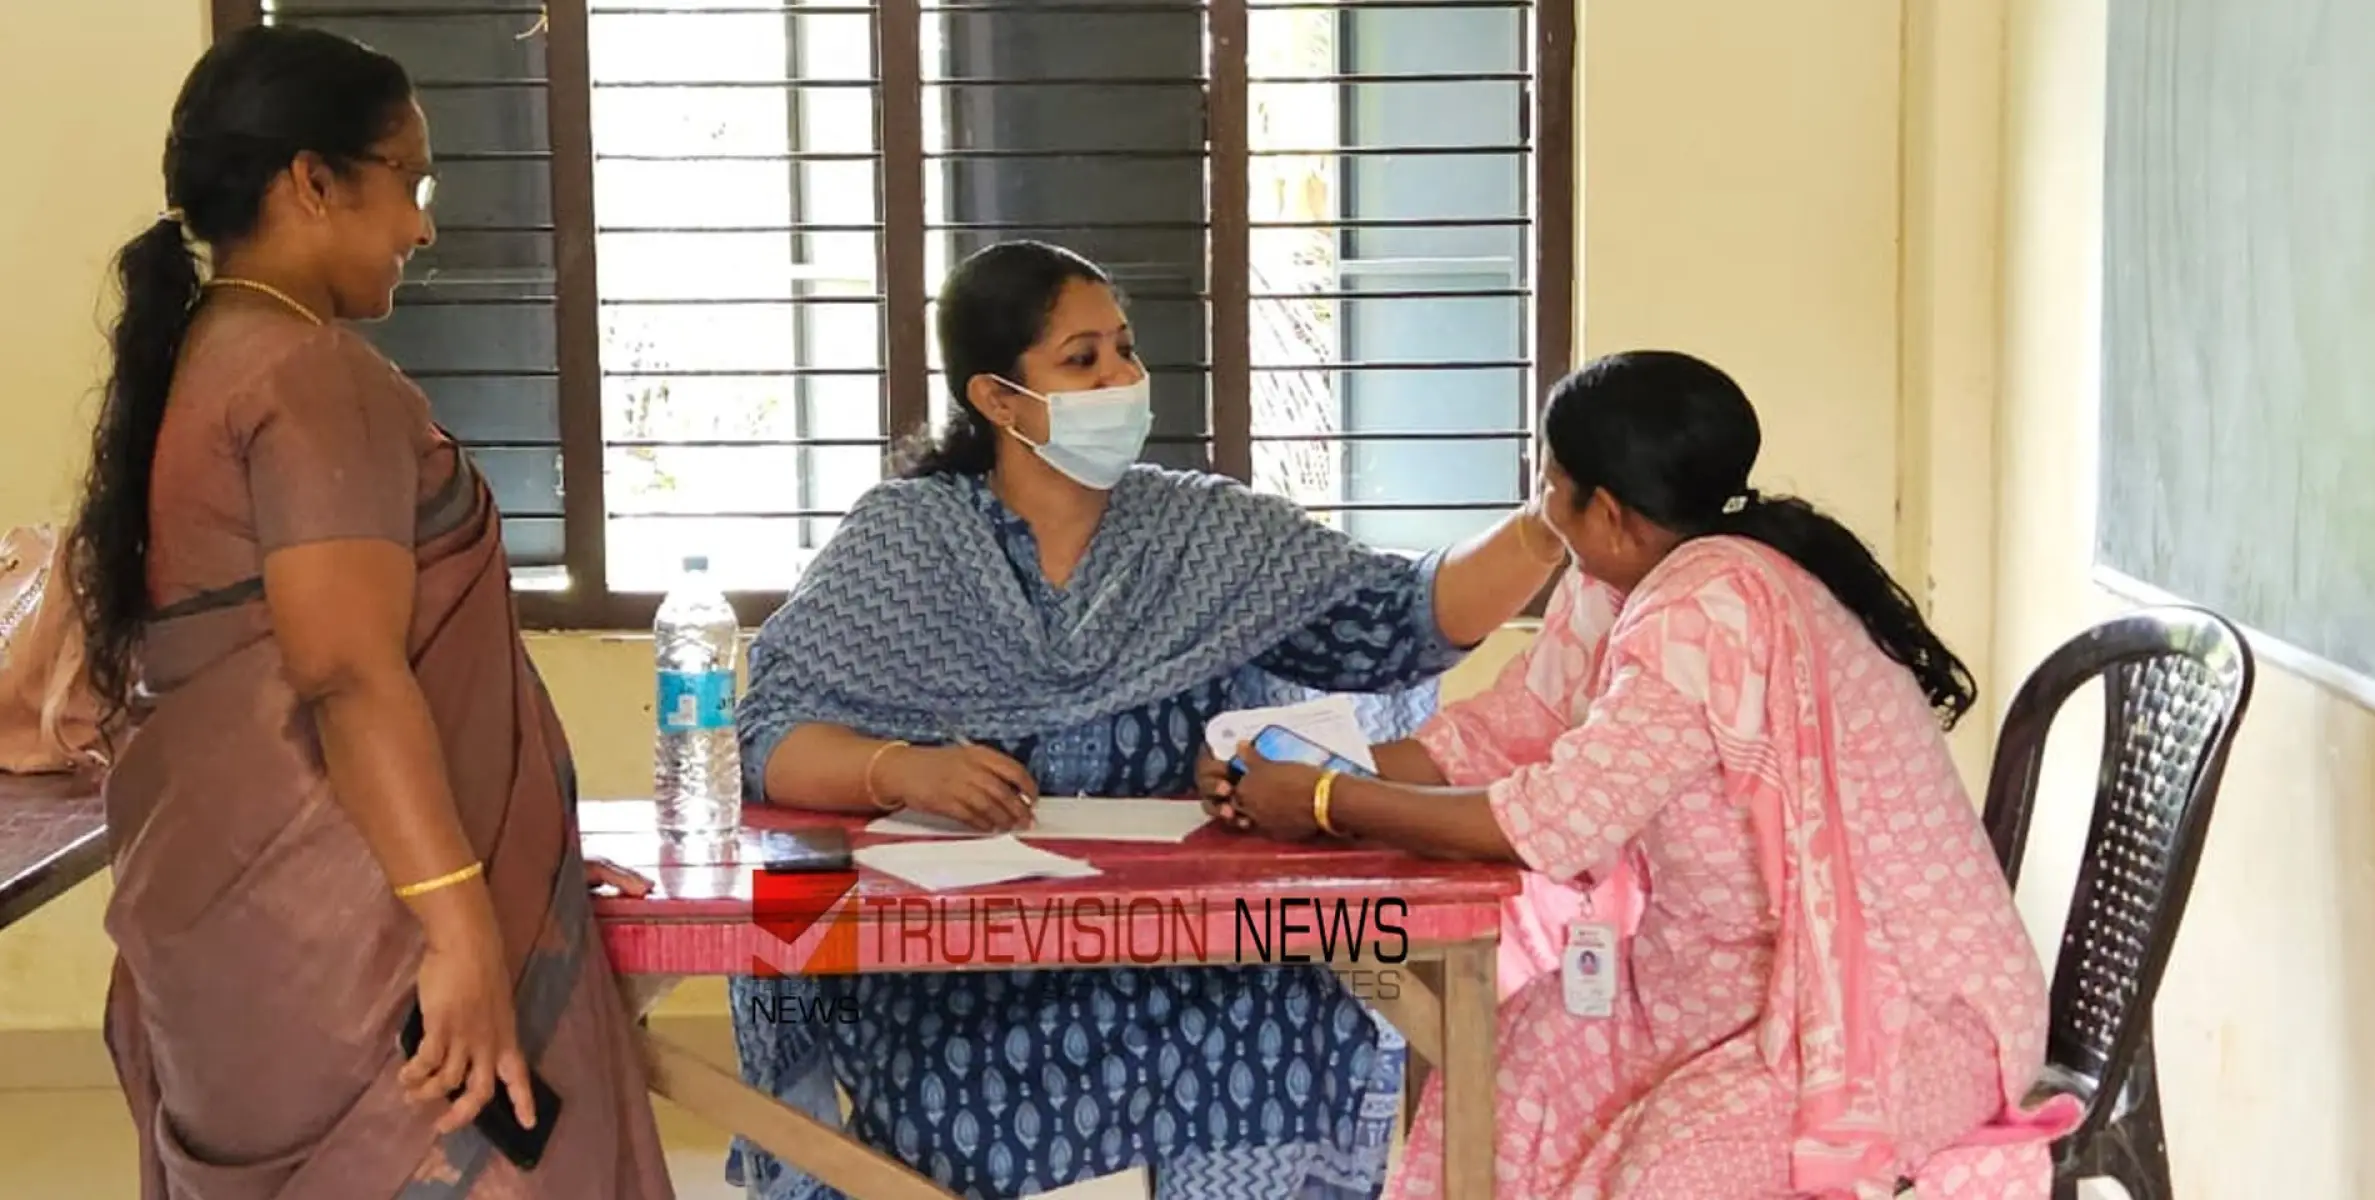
column 266, row 289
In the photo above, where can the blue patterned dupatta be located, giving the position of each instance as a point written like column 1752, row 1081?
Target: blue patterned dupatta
column 913, row 618
column 927, row 611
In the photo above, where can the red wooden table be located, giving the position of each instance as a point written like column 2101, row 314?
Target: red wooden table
column 1215, row 898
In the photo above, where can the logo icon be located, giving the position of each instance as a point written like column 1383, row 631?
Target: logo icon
column 789, row 904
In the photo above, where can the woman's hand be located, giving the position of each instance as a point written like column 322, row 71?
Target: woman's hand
column 470, row 1036
column 340, row 613
column 1276, row 796
column 1214, row 786
column 975, row 786
column 601, row 873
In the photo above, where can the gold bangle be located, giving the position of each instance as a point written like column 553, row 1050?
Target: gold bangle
column 450, row 878
column 1320, row 794
column 873, row 797
column 1524, row 520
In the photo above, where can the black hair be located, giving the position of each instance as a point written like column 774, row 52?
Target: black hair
column 256, row 100
column 993, row 307
column 1673, row 438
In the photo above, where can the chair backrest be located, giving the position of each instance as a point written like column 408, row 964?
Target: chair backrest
column 2175, row 683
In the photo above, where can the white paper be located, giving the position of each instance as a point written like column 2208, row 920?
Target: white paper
column 1071, row 818
column 1330, row 721
column 942, row 866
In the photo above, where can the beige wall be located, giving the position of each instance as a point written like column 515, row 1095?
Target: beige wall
column 1740, row 202
column 2264, row 1023
column 1804, row 193
column 1882, row 217
column 86, row 87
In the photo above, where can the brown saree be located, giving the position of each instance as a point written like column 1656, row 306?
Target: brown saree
column 264, row 965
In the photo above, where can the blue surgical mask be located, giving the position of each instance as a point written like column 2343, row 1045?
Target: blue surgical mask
column 1093, row 436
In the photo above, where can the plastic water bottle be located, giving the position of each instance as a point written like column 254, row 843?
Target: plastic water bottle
column 697, row 768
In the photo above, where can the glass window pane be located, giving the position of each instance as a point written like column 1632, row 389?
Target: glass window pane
column 737, row 480
column 1467, row 113
column 469, row 337
column 735, row 266
column 496, row 408
column 745, row 554
column 710, row 195
column 723, row 47
column 718, row 337
column 1042, row 118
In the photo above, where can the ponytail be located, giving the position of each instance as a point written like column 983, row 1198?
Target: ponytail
column 1833, row 554
column 257, row 100
column 967, row 445
column 108, row 547
column 1673, row 438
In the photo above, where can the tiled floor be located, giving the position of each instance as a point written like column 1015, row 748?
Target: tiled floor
column 77, row 1145
column 75, row 1142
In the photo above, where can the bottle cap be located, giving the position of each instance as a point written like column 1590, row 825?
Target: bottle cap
column 696, row 562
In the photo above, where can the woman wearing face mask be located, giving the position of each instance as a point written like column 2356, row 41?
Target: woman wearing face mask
column 346, row 797
column 1026, row 611
column 1813, row 981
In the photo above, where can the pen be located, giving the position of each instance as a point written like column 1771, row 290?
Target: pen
column 950, row 728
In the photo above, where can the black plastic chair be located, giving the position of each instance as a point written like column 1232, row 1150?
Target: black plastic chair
column 2176, row 681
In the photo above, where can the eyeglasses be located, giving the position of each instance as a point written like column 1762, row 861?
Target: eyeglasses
column 424, row 181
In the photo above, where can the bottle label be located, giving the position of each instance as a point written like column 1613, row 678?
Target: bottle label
column 696, row 701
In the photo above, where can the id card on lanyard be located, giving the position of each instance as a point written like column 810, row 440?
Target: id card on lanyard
column 1591, row 966
column 1588, row 969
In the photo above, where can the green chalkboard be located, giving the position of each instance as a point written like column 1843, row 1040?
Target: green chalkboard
column 2238, row 452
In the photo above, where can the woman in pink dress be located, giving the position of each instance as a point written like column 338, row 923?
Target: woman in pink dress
column 1811, row 978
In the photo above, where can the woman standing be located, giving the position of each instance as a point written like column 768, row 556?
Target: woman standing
column 346, row 789
column 1812, row 980
column 1028, row 611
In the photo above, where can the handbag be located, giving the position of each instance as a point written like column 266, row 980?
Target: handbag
column 49, row 715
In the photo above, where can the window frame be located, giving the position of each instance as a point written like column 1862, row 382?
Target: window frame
column 588, row 604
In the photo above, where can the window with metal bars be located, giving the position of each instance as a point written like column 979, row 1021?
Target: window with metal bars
column 679, row 301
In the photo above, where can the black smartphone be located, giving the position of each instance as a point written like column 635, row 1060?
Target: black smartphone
column 496, row 1120
column 799, row 851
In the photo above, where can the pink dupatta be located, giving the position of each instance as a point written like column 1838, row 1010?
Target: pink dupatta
column 1823, row 1016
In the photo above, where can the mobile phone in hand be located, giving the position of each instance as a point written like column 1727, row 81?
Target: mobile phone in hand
column 1281, row 744
column 496, row 1120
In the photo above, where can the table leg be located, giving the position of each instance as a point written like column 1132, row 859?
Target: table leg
column 1469, row 1065
column 720, row 1097
column 842, row 1162
column 1415, row 1008
column 643, row 993
column 1417, row 1011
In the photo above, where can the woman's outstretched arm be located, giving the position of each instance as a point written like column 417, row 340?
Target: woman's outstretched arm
column 1490, row 578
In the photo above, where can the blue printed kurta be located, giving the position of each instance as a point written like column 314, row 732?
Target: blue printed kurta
column 1229, row 1083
